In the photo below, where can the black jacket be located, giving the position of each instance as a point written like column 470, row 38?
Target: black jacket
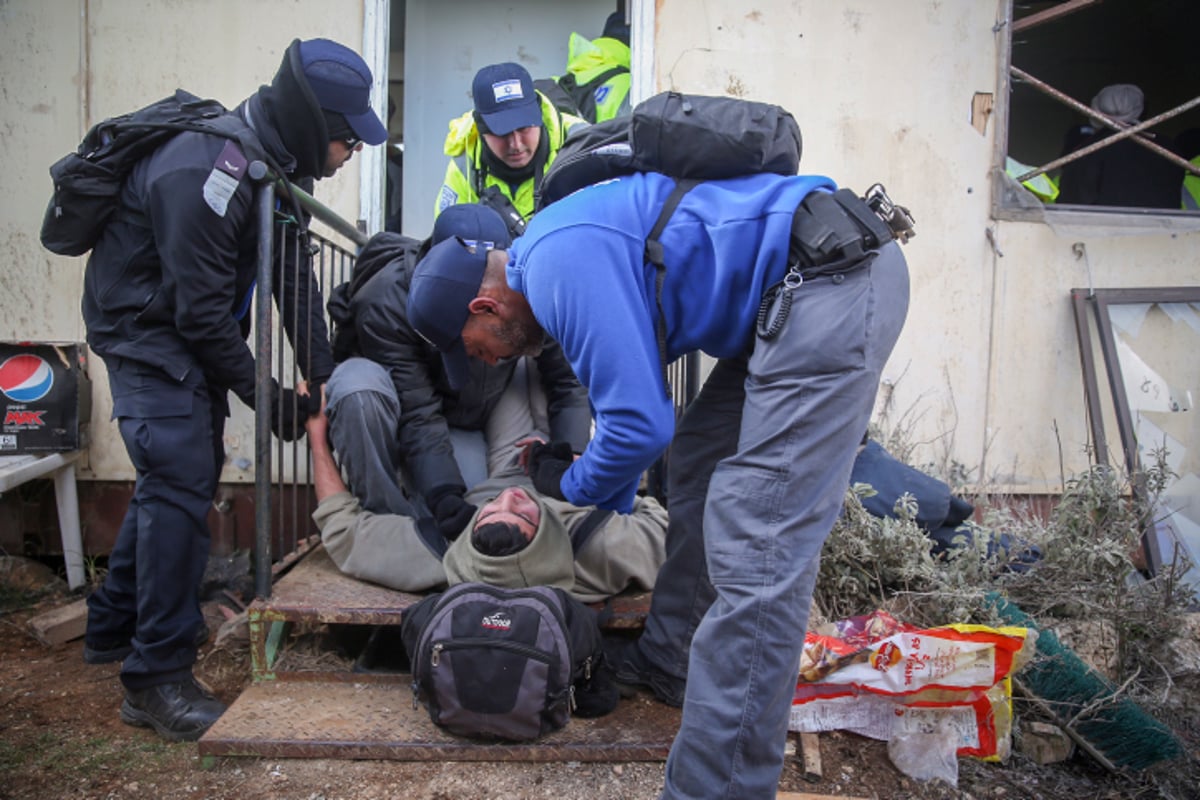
column 1122, row 174
column 177, row 294
column 428, row 406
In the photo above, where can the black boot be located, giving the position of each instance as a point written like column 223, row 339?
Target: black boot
column 179, row 712
column 630, row 668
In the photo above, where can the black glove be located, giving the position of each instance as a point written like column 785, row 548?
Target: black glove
column 450, row 510
column 547, row 463
column 289, row 410
column 598, row 696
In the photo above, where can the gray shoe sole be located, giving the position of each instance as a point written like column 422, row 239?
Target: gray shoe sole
column 141, row 719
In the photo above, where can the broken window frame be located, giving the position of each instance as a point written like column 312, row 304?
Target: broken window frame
column 1012, row 201
column 1100, row 301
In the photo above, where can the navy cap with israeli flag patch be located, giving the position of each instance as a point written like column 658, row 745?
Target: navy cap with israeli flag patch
column 505, row 98
column 443, row 285
column 475, row 223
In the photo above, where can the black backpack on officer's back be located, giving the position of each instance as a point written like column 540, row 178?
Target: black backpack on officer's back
column 507, row 664
column 87, row 182
column 689, row 137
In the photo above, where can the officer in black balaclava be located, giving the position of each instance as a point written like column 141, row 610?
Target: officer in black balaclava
column 166, row 301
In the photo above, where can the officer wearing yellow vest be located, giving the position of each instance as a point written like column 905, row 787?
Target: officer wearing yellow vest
column 1188, row 146
column 500, row 150
column 597, row 77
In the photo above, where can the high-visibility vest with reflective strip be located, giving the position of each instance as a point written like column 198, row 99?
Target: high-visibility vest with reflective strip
column 1190, row 194
column 1042, row 186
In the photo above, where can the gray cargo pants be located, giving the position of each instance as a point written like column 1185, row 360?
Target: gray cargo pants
column 758, row 470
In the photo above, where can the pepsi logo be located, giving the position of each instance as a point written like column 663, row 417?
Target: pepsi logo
column 25, row 378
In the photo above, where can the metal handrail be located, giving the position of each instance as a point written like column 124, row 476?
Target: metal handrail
column 268, row 189
column 322, row 212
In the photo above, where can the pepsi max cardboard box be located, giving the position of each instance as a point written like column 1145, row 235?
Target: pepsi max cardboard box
column 45, row 397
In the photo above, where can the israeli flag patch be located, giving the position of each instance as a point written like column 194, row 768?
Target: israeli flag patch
column 507, row 90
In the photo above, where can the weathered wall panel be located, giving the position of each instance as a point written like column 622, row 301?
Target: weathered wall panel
column 986, row 372
column 987, row 368
column 66, row 65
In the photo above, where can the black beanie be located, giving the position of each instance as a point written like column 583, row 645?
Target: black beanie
column 297, row 116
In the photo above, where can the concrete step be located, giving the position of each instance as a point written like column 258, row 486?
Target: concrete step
column 376, row 720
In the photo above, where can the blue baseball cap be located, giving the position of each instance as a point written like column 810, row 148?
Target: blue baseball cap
column 341, row 82
column 444, row 283
column 505, row 98
column 474, row 223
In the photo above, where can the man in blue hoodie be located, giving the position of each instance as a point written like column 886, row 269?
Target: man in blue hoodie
column 799, row 293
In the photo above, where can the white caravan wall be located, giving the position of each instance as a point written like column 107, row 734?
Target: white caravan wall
column 66, row 65
column 987, row 369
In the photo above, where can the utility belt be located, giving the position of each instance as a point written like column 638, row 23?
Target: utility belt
column 833, row 233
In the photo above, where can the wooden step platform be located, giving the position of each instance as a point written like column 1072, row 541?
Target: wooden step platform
column 339, row 711
column 316, row 591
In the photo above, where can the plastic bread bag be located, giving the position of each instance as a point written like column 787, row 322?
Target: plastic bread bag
column 882, row 678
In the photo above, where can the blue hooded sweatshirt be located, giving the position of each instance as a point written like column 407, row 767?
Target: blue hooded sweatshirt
column 582, row 268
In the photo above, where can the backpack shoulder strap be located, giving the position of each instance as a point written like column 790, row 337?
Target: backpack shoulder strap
column 655, row 255
column 582, row 95
column 582, row 532
column 557, row 93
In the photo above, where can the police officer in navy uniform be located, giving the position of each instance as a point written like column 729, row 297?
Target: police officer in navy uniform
column 166, row 301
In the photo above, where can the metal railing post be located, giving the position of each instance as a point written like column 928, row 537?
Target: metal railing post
column 264, row 205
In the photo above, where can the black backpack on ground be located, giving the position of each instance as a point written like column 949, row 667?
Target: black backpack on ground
column 507, row 664
column 87, row 182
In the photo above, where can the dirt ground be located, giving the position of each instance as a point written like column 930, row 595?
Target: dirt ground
column 60, row 738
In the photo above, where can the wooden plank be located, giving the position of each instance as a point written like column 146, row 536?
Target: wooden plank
column 1052, row 13
column 981, row 111
column 61, row 624
column 810, row 752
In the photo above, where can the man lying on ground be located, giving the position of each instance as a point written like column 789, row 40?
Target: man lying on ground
column 518, row 537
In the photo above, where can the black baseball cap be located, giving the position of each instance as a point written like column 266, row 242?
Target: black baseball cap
column 341, row 82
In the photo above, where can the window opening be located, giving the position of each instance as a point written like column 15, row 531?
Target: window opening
column 1060, row 51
